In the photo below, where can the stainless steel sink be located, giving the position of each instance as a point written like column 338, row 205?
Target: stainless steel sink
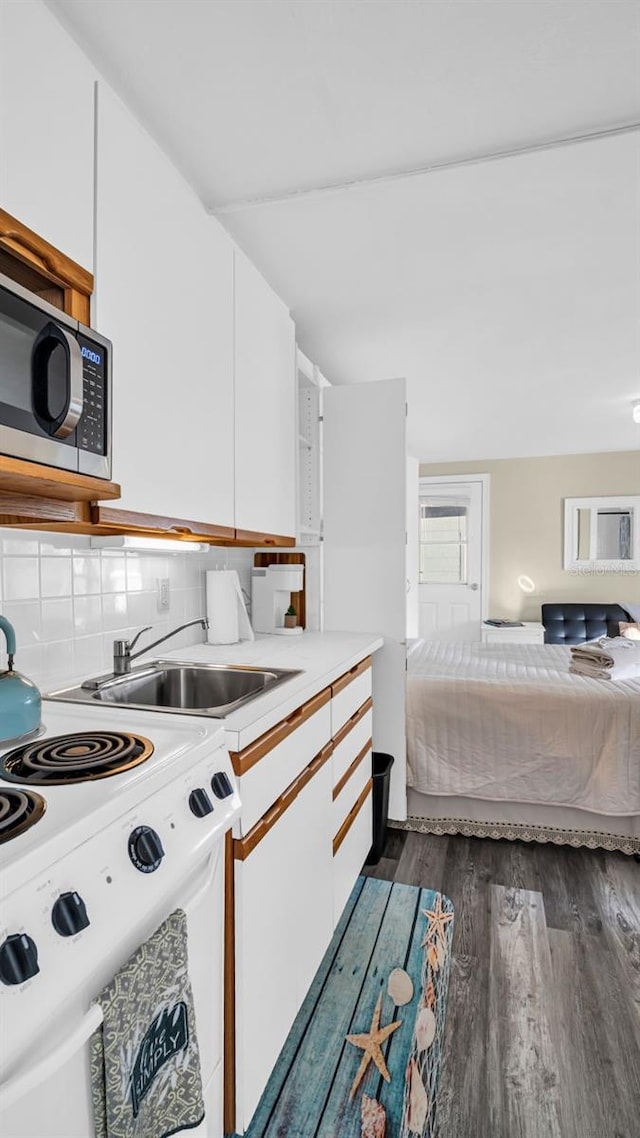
column 191, row 689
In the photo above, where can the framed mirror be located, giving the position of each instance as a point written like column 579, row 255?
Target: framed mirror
column 602, row 534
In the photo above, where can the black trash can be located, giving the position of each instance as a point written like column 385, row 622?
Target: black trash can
column 382, row 765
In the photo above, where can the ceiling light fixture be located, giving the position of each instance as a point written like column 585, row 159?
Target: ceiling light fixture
column 636, row 411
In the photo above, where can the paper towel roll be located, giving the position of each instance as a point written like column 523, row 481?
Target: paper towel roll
column 223, row 587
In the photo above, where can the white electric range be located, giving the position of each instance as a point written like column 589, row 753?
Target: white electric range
column 108, row 823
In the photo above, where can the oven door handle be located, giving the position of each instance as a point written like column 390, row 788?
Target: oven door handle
column 21, row 1085
column 200, row 892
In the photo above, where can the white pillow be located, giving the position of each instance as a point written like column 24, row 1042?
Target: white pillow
column 630, row 631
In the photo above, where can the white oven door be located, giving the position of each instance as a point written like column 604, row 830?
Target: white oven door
column 51, row 1098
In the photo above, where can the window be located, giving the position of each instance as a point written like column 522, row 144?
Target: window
column 443, row 541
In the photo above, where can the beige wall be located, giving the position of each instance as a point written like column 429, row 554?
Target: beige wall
column 526, row 526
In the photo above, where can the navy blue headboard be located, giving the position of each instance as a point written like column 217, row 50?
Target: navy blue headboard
column 575, row 623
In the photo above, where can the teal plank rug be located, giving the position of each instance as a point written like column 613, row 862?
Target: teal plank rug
column 363, row 1056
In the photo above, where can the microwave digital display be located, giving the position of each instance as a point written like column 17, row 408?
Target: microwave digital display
column 91, row 430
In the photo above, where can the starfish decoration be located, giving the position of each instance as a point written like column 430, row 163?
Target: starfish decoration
column 370, row 1043
column 438, row 920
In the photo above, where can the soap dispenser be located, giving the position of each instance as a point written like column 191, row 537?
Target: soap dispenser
column 20, row 700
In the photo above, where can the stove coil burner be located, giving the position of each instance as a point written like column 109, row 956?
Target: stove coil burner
column 79, row 757
column 19, row 810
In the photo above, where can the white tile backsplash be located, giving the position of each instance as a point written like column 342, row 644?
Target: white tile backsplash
column 55, row 576
column 21, row 578
column 68, row 601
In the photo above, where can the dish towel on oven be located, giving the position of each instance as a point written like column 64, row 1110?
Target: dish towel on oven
column 609, row 658
column 145, row 1065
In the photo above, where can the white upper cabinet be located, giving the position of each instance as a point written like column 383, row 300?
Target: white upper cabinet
column 164, row 295
column 265, row 406
column 46, row 129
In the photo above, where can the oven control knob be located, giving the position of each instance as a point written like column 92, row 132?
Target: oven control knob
column 145, row 849
column 69, row 914
column 221, row 785
column 18, row 959
column 199, row 803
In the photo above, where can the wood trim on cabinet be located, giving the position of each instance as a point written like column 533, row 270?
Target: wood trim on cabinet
column 347, row 727
column 108, row 519
column 229, row 1010
column 242, row 847
column 351, row 816
column 25, row 245
column 17, row 476
column 244, row 760
column 255, row 537
column 353, row 673
column 78, row 305
column 351, row 770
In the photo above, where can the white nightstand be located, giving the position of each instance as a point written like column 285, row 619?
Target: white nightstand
column 530, row 632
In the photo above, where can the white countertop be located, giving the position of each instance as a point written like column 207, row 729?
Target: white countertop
column 321, row 656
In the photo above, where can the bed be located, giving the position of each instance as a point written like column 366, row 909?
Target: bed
column 504, row 741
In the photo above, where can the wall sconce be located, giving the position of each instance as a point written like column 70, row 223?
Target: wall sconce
column 526, row 584
column 636, row 411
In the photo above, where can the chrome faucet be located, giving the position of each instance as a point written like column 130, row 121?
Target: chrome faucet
column 122, row 654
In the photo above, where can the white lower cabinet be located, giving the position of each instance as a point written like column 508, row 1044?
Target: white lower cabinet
column 284, row 922
column 305, row 832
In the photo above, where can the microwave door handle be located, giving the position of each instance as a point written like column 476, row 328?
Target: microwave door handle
column 50, row 338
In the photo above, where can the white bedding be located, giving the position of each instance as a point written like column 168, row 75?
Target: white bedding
column 510, row 723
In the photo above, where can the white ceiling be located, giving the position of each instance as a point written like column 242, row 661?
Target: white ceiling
column 507, row 292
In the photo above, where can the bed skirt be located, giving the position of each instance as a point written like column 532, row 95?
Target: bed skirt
column 521, row 821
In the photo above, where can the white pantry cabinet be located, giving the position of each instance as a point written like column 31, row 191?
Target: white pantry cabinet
column 364, row 550
column 164, row 295
column 265, row 406
column 46, row 129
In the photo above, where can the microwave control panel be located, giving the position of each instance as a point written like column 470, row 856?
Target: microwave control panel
column 91, row 430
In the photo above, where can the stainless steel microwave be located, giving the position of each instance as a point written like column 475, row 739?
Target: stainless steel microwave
column 55, row 386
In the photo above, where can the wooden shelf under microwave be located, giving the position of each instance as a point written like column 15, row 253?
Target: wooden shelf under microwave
column 17, row 476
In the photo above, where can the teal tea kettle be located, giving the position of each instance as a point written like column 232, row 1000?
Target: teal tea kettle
column 20, row 700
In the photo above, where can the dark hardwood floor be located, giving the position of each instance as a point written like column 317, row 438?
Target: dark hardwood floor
column 543, row 1019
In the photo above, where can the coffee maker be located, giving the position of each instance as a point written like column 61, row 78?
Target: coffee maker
column 271, row 589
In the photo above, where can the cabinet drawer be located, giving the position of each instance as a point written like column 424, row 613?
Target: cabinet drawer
column 348, row 693
column 351, row 785
column 275, row 770
column 351, row 846
column 349, row 742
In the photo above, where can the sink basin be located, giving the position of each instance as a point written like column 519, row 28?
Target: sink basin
column 192, row 689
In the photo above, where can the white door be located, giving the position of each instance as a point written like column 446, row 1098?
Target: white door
column 452, row 558
column 364, row 490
